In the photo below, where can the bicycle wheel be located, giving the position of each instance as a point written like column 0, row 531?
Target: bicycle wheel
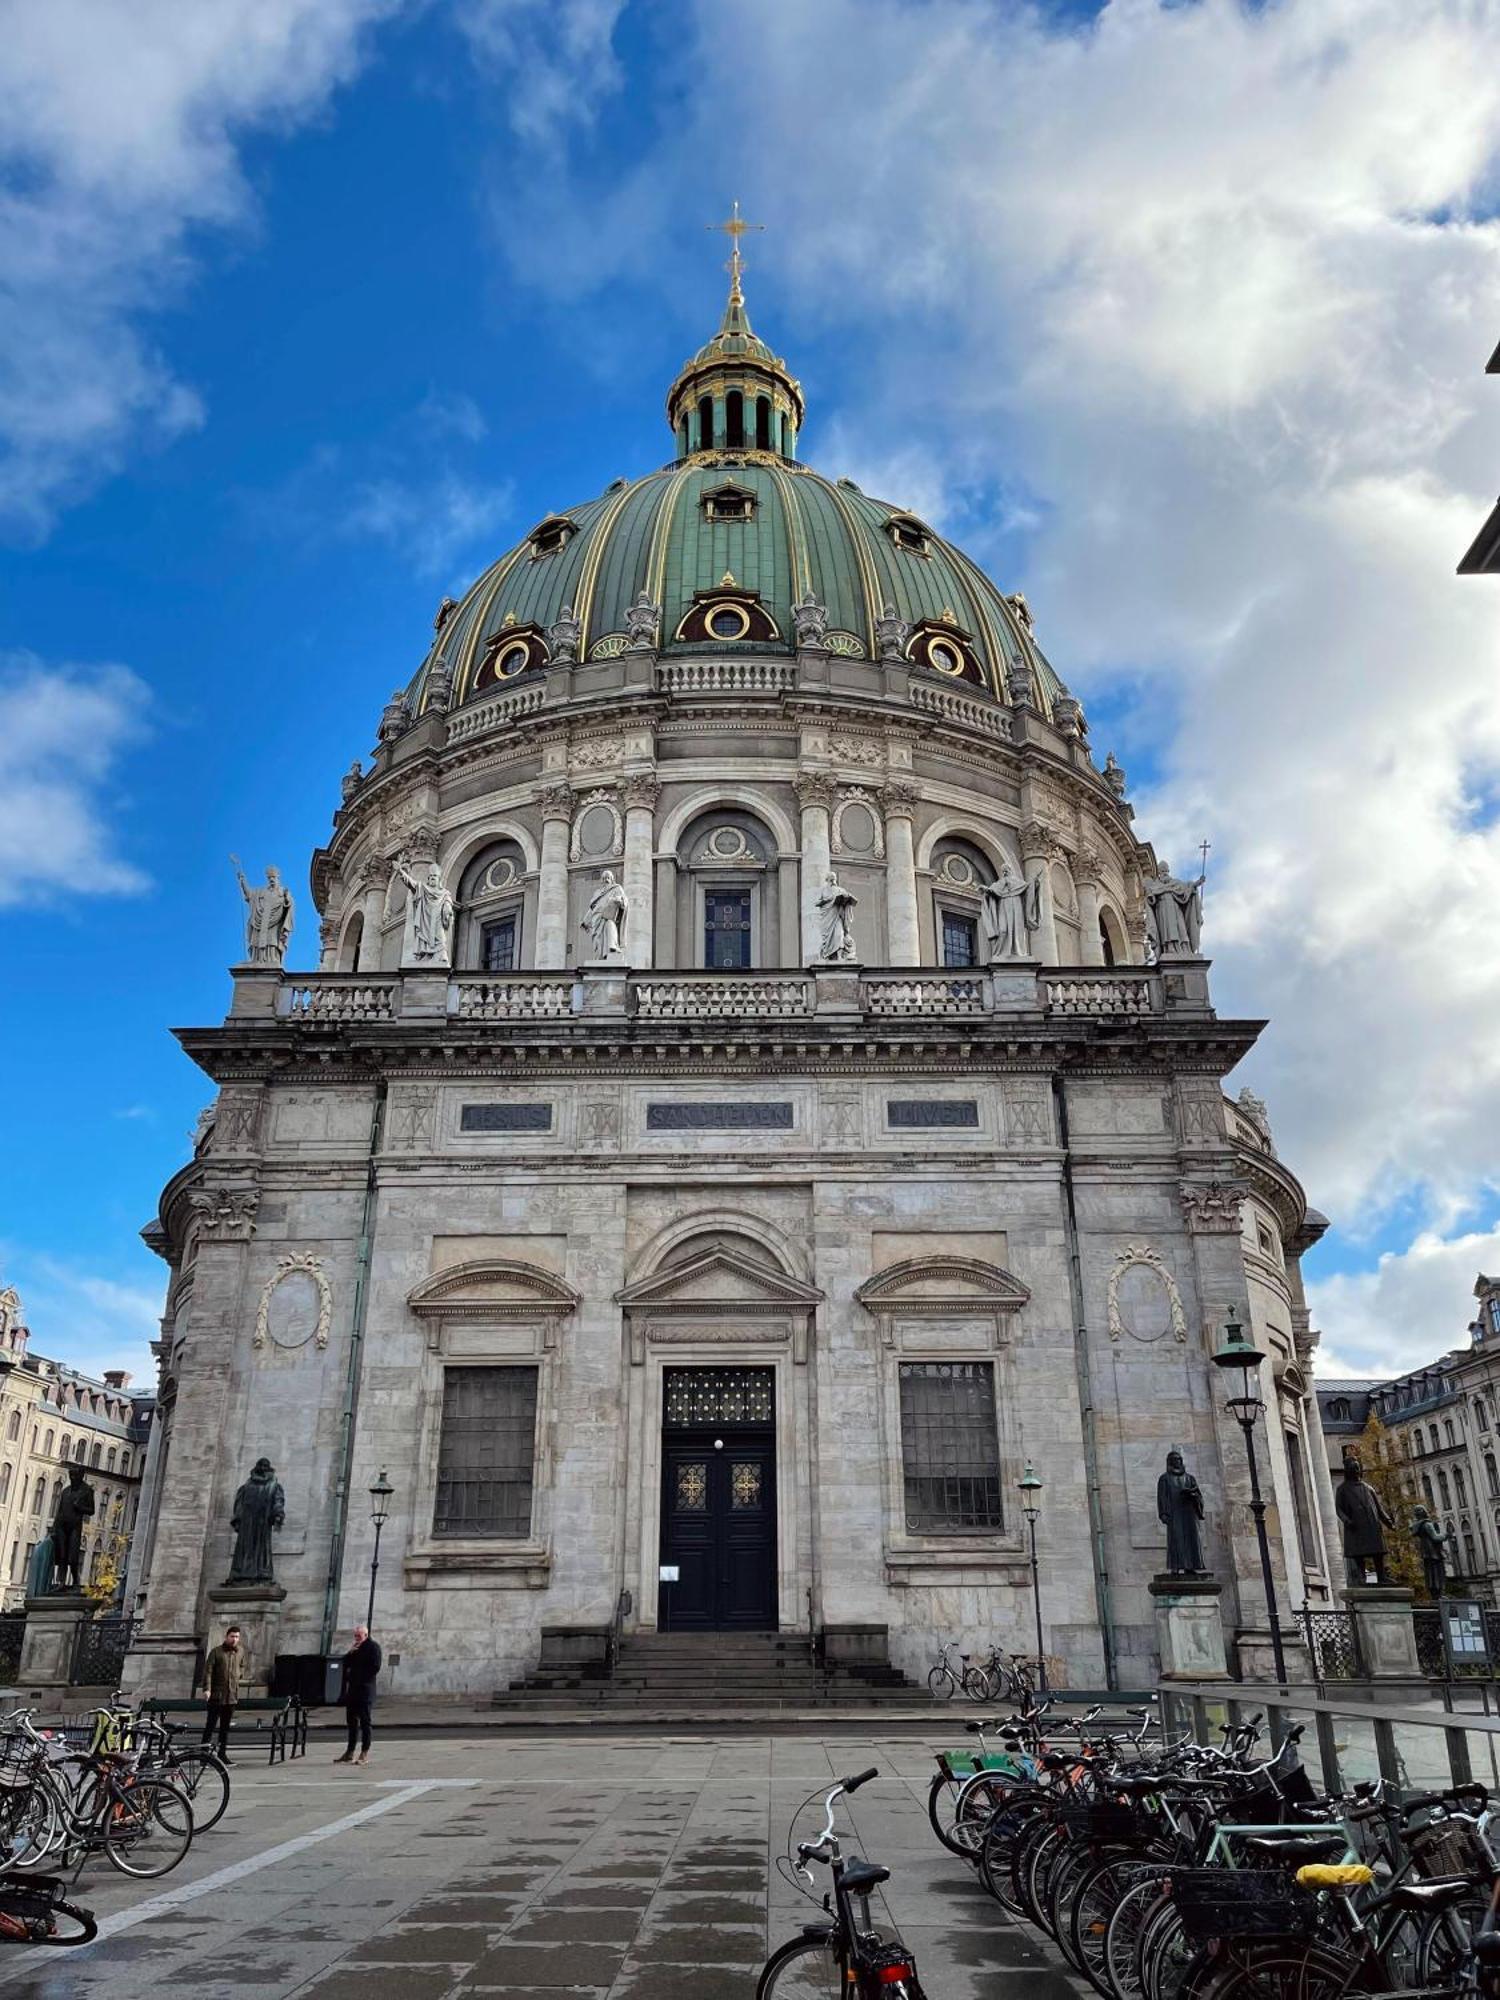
column 1100, row 1894
column 68, row 1924
column 941, row 1685
column 147, row 1828
column 805, row 1968
column 1063, row 1883
column 1127, row 1922
column 979, row 1799
column 1267, row 1971
column 29, row 1826
column 200, row 1775
column 996, row 1857
column 976, row 1683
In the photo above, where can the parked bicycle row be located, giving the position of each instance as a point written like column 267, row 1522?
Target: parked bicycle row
column 997, row 1676
column 1174, row 1870
column 120, row 1784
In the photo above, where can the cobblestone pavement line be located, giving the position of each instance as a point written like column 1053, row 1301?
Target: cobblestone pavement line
column 621, row 1868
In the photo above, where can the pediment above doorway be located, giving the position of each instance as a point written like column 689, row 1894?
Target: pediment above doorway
column 719, row 1295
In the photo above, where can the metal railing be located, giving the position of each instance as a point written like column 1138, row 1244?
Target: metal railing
column 99, row 1649
column 12, row 1637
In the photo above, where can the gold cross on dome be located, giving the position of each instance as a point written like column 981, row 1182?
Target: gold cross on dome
column 734, row 229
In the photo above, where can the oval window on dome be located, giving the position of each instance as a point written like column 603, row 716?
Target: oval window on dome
column 729, row 621
column 945, row 656
column 512, row 661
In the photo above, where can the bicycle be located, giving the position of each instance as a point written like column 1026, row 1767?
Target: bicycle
column 142, row 1825
column 848, row 1956
column 942, row 1681
column 32, row 1911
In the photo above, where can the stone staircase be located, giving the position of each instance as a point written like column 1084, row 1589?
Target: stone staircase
column 666, row 1676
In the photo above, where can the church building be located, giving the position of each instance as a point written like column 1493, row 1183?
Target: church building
column 757, row 1094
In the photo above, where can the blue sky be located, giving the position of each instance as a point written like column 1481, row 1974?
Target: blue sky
column 1175, row 316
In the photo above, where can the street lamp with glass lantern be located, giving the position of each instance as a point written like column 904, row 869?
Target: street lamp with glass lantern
column 380, row 1513
column 1240, row 1358
column 1031, row 1507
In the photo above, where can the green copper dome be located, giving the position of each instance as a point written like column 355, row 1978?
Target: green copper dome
column 726, row 542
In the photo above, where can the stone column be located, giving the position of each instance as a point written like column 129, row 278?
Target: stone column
column 815, row 795
column 162, row 1659
column 373, row 885
column 1036, row 856
column 1086, row 880
column 551, row 953
column 903, row 945
column 641, row 795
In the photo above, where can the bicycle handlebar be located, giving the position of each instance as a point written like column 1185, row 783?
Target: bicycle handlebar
column 847, row 1785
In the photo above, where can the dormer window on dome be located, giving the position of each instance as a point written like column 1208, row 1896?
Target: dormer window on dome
column 548, row 536
column 729, row 502
column 939, row 645
column 514, row 650
column 910, row 534
column 727, row 616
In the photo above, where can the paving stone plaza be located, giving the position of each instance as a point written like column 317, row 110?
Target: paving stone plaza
column 522, row 1866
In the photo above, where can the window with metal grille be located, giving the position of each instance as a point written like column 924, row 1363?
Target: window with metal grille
column 959, row 935
column 497, row 945
column 694, row 1397
column 950, row 1450
column 487, row 1452
column 726, row 923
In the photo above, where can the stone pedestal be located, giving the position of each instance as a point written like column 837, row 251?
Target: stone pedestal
column 1385, row 1632
column 837, row 988
column 602, row 988
column 161, row 1663
column 1189, row 1628
column 424, row 995
column 1013, row 982
column 257, row 990
column 256, row 1609
column 52, row 1625
column 1257, row 1656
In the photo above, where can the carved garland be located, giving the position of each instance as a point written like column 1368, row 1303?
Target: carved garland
column 1142, row 1253
column 310, row 1266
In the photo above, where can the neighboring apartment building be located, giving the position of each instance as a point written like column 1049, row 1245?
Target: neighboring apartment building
column 1443, row 1416
column 53, row 1417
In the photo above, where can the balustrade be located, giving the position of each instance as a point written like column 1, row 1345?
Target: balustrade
column 931, row 993
column 335, row 998
column 727, row 676
column 517, row 999
column 1096, row 993
column 714, row 997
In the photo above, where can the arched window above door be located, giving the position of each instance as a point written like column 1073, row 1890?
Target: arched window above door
column 490, row 902
column 727, row 892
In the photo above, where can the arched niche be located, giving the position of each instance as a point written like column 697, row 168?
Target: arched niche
column 492, row 897
column 728, row 891
column 349, row 943
column 492, row 1305
column 1112, row 940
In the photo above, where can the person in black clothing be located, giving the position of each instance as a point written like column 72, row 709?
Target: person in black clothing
column 357, row 1692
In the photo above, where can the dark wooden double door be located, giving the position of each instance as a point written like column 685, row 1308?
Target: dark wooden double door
column 718, row 1530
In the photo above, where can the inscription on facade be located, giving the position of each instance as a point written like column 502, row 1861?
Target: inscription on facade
column 505, row 1118
column 718, row 1117
column 914, row 1113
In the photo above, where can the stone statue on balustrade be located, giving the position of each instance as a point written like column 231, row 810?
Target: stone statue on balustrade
column 1179, row 1507
column 1012, row 910
column 1176, row 913
column 1113, row 775
column 891, row 635
column 1428, row 1536
column 835, row 905
column 642, row 623
column 604, row 919
column 269, row 915
column 428, row 942
column 564, row 636
column 351, row 781
column 1365, row 1519
column 395, row 718
column 259, row 1510
column 810, row 623
column 75, row 1506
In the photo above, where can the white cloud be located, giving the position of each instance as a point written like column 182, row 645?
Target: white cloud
column 432, row 521
column 64, row 729
column 552, row 58
column 1414, row 1305
column 118, row 135
column 1216, row 285
column 90, row 1320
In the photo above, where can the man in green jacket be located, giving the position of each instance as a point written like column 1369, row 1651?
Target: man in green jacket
column 222, row 1670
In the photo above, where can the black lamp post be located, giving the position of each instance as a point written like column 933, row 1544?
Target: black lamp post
column 380, row 1513
column 1031, row 1507
column 1238, row 1356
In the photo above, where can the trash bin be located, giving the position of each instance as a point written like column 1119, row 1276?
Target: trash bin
column 333, row 1674
column 305, row 1675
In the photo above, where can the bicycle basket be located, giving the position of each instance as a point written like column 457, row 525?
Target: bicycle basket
column 1106, row 1820
column 1446, row 1848
column 1225, row 1903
